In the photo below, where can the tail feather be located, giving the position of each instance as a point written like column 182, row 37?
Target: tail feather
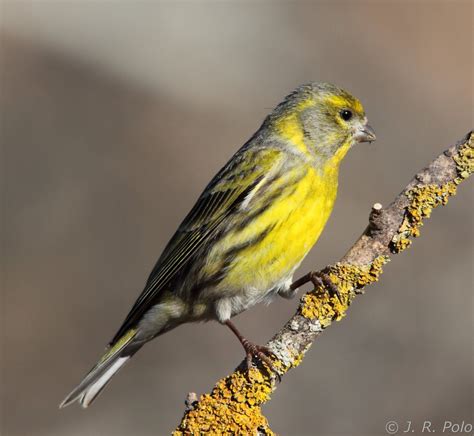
column 94, row 389
column 98, row 377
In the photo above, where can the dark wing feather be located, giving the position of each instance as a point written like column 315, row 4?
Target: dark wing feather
column 218, row 200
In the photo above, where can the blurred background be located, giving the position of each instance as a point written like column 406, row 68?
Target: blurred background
column 115, row 115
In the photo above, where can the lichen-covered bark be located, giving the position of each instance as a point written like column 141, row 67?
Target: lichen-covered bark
column 234, row 405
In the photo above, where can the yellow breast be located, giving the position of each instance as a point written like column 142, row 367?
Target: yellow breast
column 289, row 227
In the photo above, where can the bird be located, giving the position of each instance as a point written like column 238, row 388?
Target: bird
column 249, row 230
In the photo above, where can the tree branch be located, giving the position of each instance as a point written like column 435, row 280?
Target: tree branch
column 234, row 405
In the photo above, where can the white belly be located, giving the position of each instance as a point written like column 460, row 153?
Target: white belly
column 227, row 307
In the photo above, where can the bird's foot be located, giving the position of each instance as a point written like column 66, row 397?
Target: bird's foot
column 262, row 353
column 322, row 280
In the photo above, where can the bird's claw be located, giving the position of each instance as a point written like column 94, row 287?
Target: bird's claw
column 262, row 353
column 322, row 280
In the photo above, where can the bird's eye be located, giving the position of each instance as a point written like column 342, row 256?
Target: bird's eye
column 346, row 115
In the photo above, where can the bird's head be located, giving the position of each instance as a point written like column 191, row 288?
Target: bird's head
column 322, row 119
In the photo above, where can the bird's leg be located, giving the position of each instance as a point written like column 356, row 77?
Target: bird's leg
column 288, row 293
column 261, row 352
column 319, row 280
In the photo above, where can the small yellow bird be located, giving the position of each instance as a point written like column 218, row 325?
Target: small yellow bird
column 249, row 230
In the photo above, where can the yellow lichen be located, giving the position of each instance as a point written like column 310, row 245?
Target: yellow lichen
column 465, row 160
column 233, row 405
column 423, row 200
column 320, row 305
column 235, row 402
column 298, row 357
column 295, row 358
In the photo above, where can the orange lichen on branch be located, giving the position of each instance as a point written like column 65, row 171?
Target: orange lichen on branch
column 235, row 402
column 423, row 199
column 349, row 279
column 422, row 202
column 465, row 160
column 233, row 405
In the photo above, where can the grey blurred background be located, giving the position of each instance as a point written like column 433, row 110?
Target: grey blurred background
column 114, row 117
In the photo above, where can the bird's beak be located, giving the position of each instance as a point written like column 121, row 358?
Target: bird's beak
column 365, row 133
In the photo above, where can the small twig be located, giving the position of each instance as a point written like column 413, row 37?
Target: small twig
column 190, row 401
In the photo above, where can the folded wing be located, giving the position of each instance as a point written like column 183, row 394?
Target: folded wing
column 226, row 192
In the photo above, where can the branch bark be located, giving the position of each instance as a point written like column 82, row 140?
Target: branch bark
column 234, row 405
